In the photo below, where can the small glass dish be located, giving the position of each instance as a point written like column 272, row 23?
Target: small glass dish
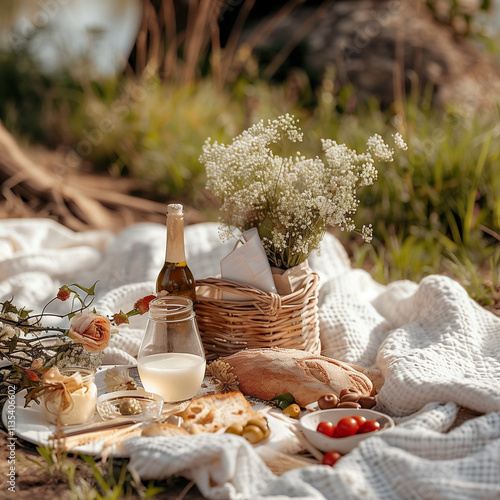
column 137, row 404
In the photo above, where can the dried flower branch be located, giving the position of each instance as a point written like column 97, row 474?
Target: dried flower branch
column 32, row 347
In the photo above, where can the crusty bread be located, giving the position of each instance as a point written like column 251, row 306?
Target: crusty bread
column 214, row 412
column 267, row 373
column 163, row 430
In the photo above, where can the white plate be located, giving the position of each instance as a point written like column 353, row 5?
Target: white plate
column 31, row 425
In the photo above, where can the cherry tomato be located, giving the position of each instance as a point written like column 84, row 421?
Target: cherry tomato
column 326, row 428
column 346, row 426
column 369, row 426
column 359, row 419
column 330, row 458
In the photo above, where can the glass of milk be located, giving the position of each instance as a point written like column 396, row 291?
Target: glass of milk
column 171, row 359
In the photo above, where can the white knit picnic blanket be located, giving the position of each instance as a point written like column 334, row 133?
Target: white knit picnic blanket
column 434, row 346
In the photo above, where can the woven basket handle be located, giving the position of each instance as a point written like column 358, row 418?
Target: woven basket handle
column 267, row 303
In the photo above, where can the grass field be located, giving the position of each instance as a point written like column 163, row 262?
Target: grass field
column 435, row 209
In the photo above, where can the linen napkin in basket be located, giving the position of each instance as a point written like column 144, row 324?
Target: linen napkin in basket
column 248, row 264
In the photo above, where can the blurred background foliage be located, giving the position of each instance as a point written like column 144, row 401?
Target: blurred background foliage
column 191, row 76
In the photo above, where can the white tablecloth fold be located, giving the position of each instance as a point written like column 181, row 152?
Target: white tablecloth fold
column 417, row 459
column 430, row 341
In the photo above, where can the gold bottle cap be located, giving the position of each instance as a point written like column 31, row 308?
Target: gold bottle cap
column 175, row 209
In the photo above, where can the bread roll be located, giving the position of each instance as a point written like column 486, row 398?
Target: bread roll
column 267, row 373
column 163, row 430
column 214, row 412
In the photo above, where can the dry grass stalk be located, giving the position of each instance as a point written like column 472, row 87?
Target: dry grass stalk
column 279, row 463
column 31, row 190
column 109, row 436
column 161, row 39
column 300, row 436
column 306, row 28
column 234, row 38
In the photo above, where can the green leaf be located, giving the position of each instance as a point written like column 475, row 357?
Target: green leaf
column 33, row 395
column 97, row 473
column 473, row 191
column 284, row 400
column 8, row 306
column 33, row 461
column 123, row 473
column 13, row 343
column 153, row 491
column 114, row 493
column 46, row 453
column 70, row 473
column 88, row 291
column 24, row 313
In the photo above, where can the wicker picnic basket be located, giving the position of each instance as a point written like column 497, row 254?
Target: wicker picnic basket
column 259, row 319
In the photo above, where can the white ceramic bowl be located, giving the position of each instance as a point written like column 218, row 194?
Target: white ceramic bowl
column 310, row 422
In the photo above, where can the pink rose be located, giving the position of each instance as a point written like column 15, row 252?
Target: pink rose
column 143, row 304
column 63, row 293
column 91, row 330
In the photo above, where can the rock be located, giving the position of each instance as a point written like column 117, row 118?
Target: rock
column 369, row 41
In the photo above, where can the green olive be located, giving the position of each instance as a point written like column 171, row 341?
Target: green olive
column 130, row 406
column 253, row 434
column 292, row 411
column 261, row 423
column 235, row 429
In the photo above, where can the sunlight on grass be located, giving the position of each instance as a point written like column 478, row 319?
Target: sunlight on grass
column 436, row 209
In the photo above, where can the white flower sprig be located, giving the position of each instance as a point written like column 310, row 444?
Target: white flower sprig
column 291, row 200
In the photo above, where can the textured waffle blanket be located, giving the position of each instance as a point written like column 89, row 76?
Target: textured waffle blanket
column 436, row 349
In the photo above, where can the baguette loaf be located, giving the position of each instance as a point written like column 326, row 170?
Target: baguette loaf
column 214, row 412
column 267, row 373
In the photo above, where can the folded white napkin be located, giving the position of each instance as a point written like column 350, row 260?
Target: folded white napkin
column 417, row 459
column 248, row 264
column 222, row 465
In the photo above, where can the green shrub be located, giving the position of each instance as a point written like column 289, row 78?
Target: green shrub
column 153, row 132
column 435, row 209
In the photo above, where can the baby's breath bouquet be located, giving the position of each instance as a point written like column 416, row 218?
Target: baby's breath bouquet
column 290, row 200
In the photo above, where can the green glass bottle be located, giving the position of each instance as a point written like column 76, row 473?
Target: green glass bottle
column 175, row 277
